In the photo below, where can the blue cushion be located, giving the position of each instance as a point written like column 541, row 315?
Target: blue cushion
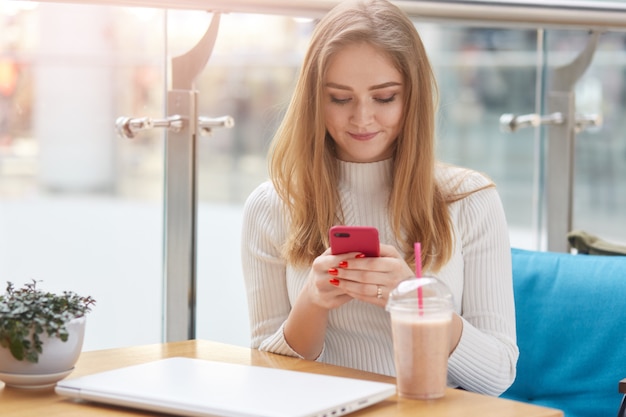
column 571, row 331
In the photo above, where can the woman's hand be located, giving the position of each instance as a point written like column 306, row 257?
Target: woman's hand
column 305, row 328
column 367, row 279
column 319, row 287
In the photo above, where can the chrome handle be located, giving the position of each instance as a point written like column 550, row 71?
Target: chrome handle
column 207, row 124
column 510, row 123
column 583, row 121
column 128, row 127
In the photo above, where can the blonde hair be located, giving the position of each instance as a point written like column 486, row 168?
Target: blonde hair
column 303, row 165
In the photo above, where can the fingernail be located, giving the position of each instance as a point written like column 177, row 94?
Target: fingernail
column 343, row 264
column 360, row 255
column 334, row 281
column 333, row 271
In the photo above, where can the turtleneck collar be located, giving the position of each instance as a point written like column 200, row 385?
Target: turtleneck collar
column 366, row 177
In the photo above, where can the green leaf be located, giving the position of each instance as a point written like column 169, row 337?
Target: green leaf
column 32, row 357
column 17, row 349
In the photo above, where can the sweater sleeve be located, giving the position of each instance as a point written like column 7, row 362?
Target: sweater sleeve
column 264, row 270
column 485, row 358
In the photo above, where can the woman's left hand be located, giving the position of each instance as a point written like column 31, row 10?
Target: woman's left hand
column 372, row 279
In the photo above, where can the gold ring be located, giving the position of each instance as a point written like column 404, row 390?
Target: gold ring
column 379, row 292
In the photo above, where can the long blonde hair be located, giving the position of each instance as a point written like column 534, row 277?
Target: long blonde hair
column 303, row 165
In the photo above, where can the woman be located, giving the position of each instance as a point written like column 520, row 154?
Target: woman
column 357, row 147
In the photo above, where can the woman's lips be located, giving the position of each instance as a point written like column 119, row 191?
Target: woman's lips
column 362, row 136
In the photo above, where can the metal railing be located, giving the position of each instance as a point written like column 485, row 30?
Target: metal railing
column 599, row 15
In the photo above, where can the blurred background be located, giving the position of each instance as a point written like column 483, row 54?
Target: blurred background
column 82, row 209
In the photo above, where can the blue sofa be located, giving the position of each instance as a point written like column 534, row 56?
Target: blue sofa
column 571, row 331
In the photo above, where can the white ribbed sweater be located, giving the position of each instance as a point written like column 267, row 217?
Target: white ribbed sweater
column 359, row 334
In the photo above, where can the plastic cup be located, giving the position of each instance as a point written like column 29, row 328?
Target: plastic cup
column 421, row 319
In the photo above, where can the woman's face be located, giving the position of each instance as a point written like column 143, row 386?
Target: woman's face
column 363, row 102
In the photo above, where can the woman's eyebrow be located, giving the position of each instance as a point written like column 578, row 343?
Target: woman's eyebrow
column 385, row 85
column 374, row 87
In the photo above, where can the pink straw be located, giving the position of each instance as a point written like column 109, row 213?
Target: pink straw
column 418, row 273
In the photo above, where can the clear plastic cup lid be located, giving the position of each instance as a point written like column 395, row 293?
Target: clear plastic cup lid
column 426, row 293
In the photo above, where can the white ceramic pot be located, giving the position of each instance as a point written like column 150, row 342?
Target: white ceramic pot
column 55, row 362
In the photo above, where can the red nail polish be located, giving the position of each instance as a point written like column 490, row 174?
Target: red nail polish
column 360, row 255
column 343, row 264
column 333, row 271
column 334, row 281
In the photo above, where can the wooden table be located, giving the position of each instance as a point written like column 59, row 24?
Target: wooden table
column 46, row 403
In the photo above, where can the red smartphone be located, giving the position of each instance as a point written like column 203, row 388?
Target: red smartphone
column 364, row 239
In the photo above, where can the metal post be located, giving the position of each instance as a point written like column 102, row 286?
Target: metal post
column 560, row 148
column 180, row 191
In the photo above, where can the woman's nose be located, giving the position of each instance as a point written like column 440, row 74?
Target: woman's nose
column 362, row 113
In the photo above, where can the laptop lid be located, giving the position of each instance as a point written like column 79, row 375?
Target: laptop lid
column 196, row 387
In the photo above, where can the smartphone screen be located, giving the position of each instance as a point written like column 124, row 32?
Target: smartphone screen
column 363, row 239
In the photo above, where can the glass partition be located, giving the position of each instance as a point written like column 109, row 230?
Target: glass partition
column 600, row 152
column 81, row 208
column 482, row 73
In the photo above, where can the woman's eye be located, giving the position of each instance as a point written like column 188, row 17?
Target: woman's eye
column 386, row 99
column 346, row 100
column 338, row 100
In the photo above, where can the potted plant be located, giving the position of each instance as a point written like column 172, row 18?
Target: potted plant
column 41, row 334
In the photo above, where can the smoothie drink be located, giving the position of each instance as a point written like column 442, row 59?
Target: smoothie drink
column 421, row 354
column 421, row 322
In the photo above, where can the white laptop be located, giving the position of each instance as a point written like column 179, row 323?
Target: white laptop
column 196, row 387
